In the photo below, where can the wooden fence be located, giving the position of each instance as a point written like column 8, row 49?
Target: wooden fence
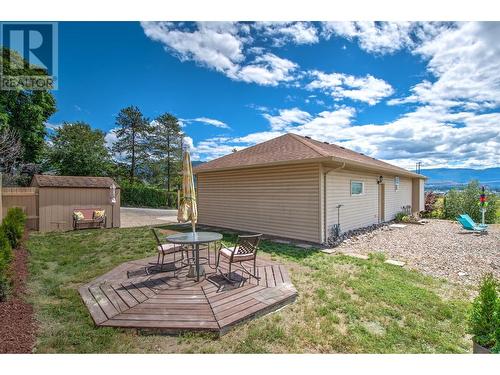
column 24, row 197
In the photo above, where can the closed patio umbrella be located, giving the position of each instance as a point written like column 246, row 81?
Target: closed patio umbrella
column 188, row 209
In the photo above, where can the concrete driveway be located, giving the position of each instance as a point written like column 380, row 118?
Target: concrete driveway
column 139, row 217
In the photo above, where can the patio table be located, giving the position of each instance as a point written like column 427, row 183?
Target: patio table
column 195, row 239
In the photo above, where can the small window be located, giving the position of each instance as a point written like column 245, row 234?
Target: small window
column 396, row 183
column 357, row 187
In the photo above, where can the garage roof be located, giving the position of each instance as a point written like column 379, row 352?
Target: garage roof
column 290, row 148
column 72, row 181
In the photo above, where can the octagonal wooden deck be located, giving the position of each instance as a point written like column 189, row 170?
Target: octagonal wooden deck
column 128, row 297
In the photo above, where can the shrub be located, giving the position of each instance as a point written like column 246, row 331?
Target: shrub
column 147, row 196
column 466, row 201
column 5, row 258
column 430, row 200
column 483, row 321
column 13, row 225
column 399, row 216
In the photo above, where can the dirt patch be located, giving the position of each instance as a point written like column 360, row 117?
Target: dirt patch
column 17, row 328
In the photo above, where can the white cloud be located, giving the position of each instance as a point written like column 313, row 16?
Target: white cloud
column 286, row 118
column 374, row 37
column 465, row 61
column 367, row 89
column 215, row 45
column 433, row 135
column 286, row 32
column 209, row 121
column 220, row 46
column 267, row 70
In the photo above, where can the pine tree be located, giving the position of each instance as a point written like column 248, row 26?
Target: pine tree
column 131, row 138
column 165, row 146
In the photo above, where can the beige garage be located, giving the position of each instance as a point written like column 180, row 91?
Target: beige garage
column 291, row 186
column 59, row 196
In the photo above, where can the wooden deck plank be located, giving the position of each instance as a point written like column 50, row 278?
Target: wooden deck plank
column 235, row 296
column 277, row 274
column 125, row 295
column 136, row 293
column 114, row 298
column 240, row 308
column 103, row 301
column 95, row 309
column 160, row 302
column 178, row 325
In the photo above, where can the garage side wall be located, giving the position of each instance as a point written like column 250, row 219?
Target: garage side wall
column 57, row 205
column 356, row 211
column 363, row 210
column 280, row 201
column 396, row 199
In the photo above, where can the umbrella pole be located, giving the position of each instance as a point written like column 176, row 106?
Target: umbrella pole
column 193, row 224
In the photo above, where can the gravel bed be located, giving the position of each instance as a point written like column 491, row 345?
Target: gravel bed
column 438, row 248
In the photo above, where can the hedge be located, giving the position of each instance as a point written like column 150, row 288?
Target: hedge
column 147, row 196
column 11, row 232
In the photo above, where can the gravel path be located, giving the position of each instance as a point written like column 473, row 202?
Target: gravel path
column 439, row 248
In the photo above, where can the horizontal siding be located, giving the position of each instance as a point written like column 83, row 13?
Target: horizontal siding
column 361, row 211
column 280, row 201
column 357, row 211
column 396, row 199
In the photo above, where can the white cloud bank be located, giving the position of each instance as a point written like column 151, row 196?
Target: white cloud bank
column 454, row 117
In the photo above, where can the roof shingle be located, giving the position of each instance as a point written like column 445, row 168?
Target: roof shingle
column 72, row 181
column 293, row 148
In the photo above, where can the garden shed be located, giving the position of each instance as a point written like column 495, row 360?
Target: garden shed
column 59, row 196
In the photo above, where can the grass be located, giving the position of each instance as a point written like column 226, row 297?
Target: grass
column 345, row 305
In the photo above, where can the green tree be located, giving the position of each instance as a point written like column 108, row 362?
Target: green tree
column 466, row 201
column 165, row 146
column 131, row 138
column 25, row 111
column 79, row 150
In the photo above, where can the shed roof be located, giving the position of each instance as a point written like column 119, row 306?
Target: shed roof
column 290, row 148
column 72, row 181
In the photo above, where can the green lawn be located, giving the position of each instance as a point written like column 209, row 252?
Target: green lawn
column 345, row 305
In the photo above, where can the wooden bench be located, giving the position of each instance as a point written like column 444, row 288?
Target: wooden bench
column 88, row 221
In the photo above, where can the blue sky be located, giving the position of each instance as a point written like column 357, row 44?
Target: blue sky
column 400, row 92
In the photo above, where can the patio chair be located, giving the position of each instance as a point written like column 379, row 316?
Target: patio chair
column 468, row 226
column 468, row 219
column 166, row 249
column 244, row 250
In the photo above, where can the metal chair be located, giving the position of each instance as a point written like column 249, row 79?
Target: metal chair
column 166, row 249
column 244, row 250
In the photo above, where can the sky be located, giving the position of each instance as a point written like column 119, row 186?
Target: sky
column 401, row 92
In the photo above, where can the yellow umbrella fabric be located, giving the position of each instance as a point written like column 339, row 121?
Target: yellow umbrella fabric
column 188, row 210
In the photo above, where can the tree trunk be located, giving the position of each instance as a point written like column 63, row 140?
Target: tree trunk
column 168, row 162
column 132, row 166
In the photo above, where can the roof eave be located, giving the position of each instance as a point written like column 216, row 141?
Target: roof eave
column 373, row 168
column 278, row 163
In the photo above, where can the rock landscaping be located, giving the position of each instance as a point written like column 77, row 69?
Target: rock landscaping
column 438, row 248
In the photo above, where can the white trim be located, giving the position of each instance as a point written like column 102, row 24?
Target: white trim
column 362, row 188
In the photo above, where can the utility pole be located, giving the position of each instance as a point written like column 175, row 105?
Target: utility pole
column 418, row 164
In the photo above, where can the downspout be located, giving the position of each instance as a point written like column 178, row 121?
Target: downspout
column 325, row 229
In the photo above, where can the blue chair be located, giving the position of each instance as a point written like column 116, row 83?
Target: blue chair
column 468, row 226
column 472, row 222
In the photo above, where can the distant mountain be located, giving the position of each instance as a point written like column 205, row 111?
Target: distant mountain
column 195, row 163
column 451, row 177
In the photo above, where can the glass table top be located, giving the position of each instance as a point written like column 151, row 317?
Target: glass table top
column 196, row 237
